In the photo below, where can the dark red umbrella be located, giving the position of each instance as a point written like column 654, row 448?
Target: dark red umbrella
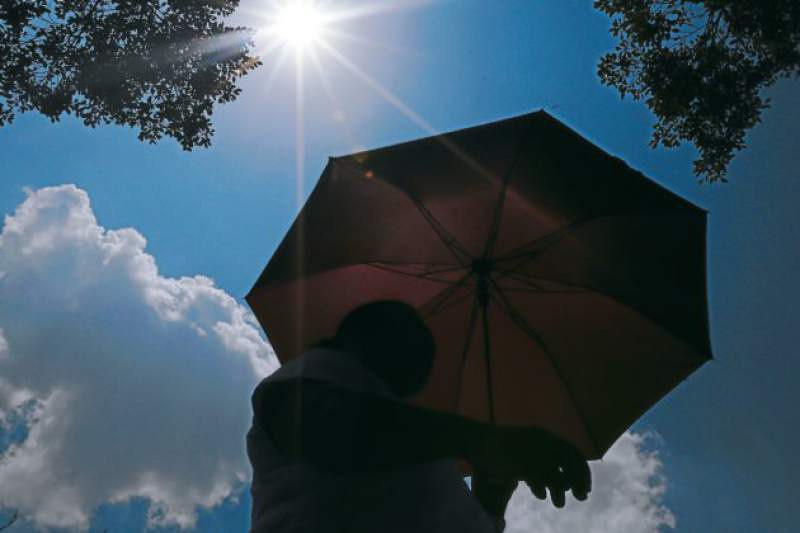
column 564, row 289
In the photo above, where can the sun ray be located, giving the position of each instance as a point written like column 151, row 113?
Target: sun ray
column 299, row 155
column 406, row 110
column 276, row 67
column 376, row 86
column 338, row 35
column 332, row 99
column 303, row 25
column 299, row 129
column 376, row 8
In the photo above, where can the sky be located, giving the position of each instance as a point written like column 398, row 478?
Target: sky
column 124, row 267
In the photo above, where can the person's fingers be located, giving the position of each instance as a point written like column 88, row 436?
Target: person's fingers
column 537, row 488
column 561, row 467
column 556, row 483
column 580, row 496
column 558, row 497
column 579, row 477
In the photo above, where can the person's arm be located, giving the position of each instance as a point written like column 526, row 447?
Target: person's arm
column 342, row 431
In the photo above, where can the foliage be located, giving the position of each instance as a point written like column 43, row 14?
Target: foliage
column 156, row 65
column 700, row 66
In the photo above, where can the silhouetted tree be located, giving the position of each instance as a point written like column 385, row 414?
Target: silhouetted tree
column 700, row 66
column 155, row 65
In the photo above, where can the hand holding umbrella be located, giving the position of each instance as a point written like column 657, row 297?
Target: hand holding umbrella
column 542, row 460
column 552, row 465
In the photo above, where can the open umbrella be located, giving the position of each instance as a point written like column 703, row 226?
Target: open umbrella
column 564, row 289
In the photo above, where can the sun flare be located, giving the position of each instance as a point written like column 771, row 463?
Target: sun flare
column 310, row 32
column 299, row 23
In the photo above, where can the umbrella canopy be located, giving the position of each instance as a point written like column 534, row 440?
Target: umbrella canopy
column 564, row 289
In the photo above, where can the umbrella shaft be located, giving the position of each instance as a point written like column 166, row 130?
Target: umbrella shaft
column 487, row 352
column 483, row 291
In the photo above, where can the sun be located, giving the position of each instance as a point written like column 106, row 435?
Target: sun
column 309, row 31
column 299, row 23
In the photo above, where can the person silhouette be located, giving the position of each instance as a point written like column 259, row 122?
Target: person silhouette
column 334, row 448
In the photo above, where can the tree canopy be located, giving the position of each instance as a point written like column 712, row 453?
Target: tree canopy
column 156, row 65
column 701, row 67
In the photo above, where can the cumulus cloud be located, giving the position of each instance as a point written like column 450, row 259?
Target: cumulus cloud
column 134, row 385
column 130, row 384
column 628, row 486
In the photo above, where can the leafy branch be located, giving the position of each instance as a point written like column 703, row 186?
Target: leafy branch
column 159, row 66
column 701, row 67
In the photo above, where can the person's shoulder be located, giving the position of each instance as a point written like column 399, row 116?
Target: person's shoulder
column 325, row 368
column 292, row 371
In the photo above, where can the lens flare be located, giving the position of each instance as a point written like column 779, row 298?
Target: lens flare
column 299, row 23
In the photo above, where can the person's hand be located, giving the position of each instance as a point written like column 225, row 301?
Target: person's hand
column 545, row 462
column 493, row 492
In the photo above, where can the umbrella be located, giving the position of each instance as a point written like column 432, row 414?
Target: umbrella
column 564, row 289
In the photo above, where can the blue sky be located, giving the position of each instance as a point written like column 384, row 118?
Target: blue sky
column 727, row 437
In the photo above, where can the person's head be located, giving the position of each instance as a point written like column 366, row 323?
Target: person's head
column 392, row 342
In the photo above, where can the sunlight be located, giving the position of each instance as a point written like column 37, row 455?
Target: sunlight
column 304, row 28
column 308, row 25
column 296, row 23
column 393, row 100
column 300, row 23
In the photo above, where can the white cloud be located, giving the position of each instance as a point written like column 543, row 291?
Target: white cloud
column 137, row 385
column 132, row 384
column 628, row 486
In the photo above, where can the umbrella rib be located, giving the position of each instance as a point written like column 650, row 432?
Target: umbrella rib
column 440, row 298
column 498, row 214
column 578, row 288
column 444, row 270
column 585, row 289
column 523, row 258
column 528, row 281
column 520, row 321
column 554, row 236
column 520, row 278
column 537, row 291
column 448, row 240
column 455, row 247
column 473, row 315
column 488, row 360
column 422, row 275
column 451, row 303
column 414, row 263
column 501, row 200
column 430, row 267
